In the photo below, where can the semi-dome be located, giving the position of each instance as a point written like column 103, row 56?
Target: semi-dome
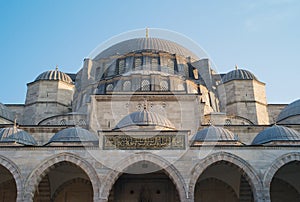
column 292, row 109
column 74, row 134
column 145, row 118
column 54, row 75
column 238, row 74
column 16, row 135
column 6, row 113
column 140, row 44
column 215, row 134
column 276, row 133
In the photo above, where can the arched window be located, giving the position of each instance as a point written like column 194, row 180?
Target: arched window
column 154, row 64
column 145, row 85
column 227, row 122
column 138, row 63
column 109, row 87
column 164, row 86
column 121, row 66
column 82, row 122
column 127, row 86
column 63, row 122
column 171, row 66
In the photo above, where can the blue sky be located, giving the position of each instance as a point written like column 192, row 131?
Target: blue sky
column 262, row 36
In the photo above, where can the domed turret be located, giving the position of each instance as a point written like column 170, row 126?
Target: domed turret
column 279, row 134
column 54, row 75
column 290, row 112
column 238, row 74
column 51, row 94
column 243, row 95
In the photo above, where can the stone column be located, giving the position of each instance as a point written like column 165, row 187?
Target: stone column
column 265, row 193
column 28, row 197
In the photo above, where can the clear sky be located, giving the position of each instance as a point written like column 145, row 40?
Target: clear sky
column 262, row 36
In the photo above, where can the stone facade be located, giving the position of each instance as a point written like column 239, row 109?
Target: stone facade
column 124, row 128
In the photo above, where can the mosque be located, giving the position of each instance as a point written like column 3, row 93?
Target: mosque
column 147, row 120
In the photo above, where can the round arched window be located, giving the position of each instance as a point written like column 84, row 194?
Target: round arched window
column 138, row 63
column 82, row 122
column 63, row 122
column 154, row 64
column 121, row 66
column 164, row 86
column 127, row 86
column 145, row 85
column 109, row 87
column 227, row 122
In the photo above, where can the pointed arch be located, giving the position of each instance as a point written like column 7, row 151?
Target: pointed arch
column 277, row 164
column 250, row 174
column 37, row 174
column 169, row 169
column 15, row 172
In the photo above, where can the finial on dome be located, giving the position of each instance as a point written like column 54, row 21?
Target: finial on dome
column 236, row 67
column 147, row 32
column 56, row 68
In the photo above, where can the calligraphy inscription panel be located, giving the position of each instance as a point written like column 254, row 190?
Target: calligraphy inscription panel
column 158, row 142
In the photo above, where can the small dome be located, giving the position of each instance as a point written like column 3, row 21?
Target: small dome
column 292, row 109
column 238, row 74
column 5, row 132
column 74, row 134
column 54, row 75
column 215, row 134
column 16, row 135
column 276, row 133
column 145, row 118
column 6, row 113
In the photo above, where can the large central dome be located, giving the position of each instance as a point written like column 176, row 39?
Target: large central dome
column 139, row 44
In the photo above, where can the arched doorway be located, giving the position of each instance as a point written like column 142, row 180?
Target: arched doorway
column 64, row 182
column 144, row 182
column 285, row 185
column 223, row 181
column 8, row 188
